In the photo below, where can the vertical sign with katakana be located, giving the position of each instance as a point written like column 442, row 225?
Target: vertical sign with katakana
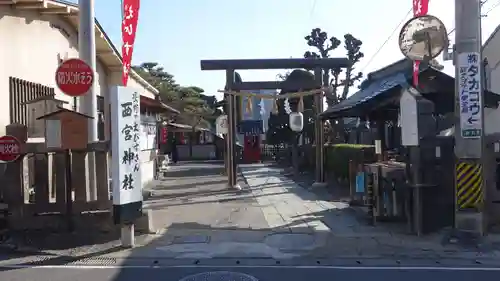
column 125, row 146
column 470, row 95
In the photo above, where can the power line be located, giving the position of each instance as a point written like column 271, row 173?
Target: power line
column 313, row 8
column 386, row 40
column 494, row 6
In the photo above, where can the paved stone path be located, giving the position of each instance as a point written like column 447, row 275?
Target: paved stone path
column 196, row 196
column 272, row 217
column 287, row 205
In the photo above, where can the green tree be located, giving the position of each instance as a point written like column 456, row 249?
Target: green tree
column 323, row 46
column 196, row 109
column 339, row 80
column 163, row 81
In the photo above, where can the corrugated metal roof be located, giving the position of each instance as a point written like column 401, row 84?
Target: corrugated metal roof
column 371, row 91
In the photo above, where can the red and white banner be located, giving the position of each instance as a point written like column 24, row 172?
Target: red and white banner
column 420, row 8
column 129, row 27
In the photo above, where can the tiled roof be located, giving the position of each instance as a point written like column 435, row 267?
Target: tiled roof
column 371, row 91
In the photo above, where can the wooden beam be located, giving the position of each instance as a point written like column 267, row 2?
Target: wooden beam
column 56, row 11
column 326, row 63
column 268, row 85
column 104, row 52
column 115, row 68
column 30, row 5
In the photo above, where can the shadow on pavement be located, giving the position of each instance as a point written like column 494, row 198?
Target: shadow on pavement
column 186, row 201
column 171, row 183
column 177, row 171
column 45, row 259
column 56, row 239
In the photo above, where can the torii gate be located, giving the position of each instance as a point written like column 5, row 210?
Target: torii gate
column 233, row 89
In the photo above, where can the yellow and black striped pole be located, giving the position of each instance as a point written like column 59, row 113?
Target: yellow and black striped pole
column 469, row 185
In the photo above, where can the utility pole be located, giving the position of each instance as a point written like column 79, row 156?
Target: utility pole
column 88, row 103
column 469, row 126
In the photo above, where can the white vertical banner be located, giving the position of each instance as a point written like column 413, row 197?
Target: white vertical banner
column 470, row 95
column 125, row 145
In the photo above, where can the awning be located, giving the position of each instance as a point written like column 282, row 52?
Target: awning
column 373, row 90
column 185, row 127
column 440, row 90
column 152, row 103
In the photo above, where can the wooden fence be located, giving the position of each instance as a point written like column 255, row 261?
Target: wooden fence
column 36, row 190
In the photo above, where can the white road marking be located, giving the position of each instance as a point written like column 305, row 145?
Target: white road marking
column 379, row 268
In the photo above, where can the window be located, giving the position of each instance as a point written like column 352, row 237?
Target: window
column 148, row 130
column 24, row 105
column 148, row 136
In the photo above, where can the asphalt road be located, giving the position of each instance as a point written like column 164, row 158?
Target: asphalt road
column 258, row 273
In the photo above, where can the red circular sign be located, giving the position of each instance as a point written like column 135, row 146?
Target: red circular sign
column 9, row 148
column 74, row 77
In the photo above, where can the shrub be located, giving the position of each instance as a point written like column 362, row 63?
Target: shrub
column 338, row 156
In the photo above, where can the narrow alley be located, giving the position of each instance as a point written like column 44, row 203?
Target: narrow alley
column 198, row 217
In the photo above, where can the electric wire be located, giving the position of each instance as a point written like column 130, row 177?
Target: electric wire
column 386, row 40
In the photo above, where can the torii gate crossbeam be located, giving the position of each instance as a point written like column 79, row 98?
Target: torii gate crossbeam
column 318, row 65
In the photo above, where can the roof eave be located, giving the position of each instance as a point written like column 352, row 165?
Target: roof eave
column 105, row 50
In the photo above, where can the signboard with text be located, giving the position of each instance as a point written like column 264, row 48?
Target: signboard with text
column 129, row 28
column 470, row 95
column 420, row 8
column 250, row 127
column 74, row 77
column 221, row 124
column 125, row 149
column 9, row 149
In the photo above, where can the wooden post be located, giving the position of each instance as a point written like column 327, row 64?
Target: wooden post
column 352, row 180
column 69, row 194
column 14, row 188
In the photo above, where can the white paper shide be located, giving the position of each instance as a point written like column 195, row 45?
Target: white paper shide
column 470, row 95
column 125, row 141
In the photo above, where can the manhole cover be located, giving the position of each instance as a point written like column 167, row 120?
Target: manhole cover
column 290, row 241
column 191, row 239
column 219, row 276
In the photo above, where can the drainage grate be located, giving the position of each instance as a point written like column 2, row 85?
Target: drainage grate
column 190, row 239
column 219, row 276
column 96, row 261
column 64, row 260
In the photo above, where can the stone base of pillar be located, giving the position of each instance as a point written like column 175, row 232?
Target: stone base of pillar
column 470, row 222
column 236, row 186
column 318, row 184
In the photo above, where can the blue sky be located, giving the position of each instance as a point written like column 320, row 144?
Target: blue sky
column 178, row 33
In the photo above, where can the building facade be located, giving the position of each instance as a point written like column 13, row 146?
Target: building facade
column 491, row 57
column 36, row 37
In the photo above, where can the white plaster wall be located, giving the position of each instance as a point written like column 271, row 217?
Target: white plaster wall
column 132, row 82
column 29, row 49
column 34, row 43
column 491, row 51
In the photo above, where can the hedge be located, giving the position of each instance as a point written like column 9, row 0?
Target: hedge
column 338, row 156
